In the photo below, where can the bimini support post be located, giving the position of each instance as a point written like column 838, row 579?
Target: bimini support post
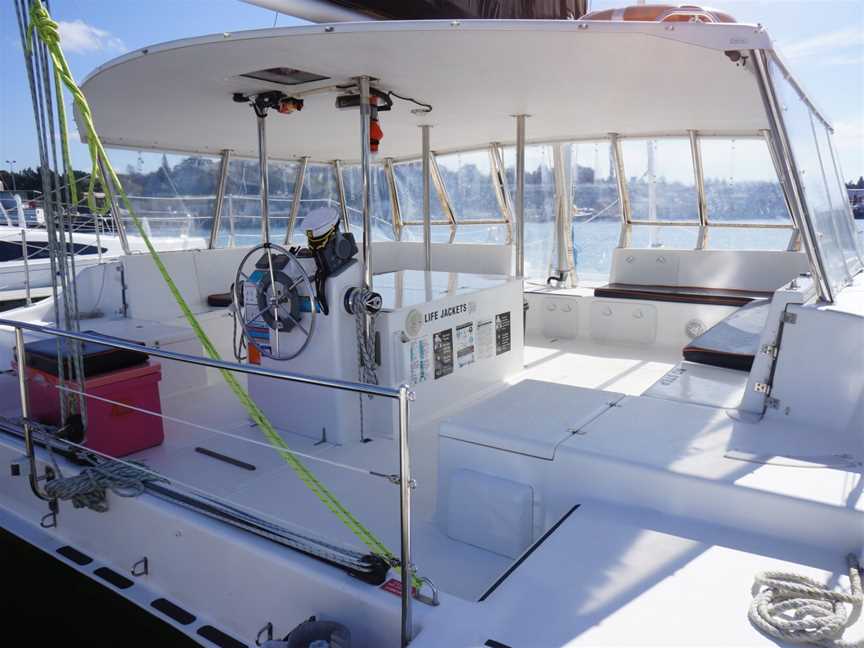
column 261, row 115
column 427, row 204
column 366, row 181
column 520, row 195
column 220, row 198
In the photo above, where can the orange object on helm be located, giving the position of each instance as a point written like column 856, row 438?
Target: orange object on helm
column 375, row 132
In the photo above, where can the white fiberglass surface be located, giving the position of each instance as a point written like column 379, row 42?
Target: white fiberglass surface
column 272, row 490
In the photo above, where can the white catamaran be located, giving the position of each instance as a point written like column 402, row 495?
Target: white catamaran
column 438, row 426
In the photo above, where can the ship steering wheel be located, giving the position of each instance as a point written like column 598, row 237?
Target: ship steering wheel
column 279, row 297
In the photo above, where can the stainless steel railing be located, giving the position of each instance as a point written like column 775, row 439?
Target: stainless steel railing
column 402, row 394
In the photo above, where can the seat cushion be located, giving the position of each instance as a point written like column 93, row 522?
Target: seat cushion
column 734, row 341
column 688, row 295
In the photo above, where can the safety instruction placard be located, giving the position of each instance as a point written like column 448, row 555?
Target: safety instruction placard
column 420, row 352
column 442, row 346
column 485, row 345
column 465, row 344
column 502, row 333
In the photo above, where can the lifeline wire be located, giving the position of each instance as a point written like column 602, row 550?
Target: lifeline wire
column 48, row 32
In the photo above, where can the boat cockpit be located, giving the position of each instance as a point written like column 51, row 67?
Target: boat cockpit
column 610, row 262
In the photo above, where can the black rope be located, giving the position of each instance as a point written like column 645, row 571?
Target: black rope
column 426, row 107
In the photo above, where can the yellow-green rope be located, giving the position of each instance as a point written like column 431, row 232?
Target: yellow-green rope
column 48, row 32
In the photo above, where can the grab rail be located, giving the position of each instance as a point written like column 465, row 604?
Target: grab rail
column 402, row 394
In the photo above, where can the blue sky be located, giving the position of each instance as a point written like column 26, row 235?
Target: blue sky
column 822, row 40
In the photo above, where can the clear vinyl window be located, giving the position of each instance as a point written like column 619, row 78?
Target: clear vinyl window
column 661, row 182
column 467, row 177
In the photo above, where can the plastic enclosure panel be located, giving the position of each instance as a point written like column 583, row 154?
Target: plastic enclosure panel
column 596, row 214
column 382, row 215
column 173, row 196
column 660, row 179
column 409, row 189
column 468, row 180
column 319, row 190
column 539, row 206
column 240, row 222
column 818, row 176
column 741, row 185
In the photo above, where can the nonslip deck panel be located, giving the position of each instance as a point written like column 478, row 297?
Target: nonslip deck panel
column 680, row 294
column 733, row 342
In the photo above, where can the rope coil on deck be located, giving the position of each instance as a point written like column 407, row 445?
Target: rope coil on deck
column 798, row 609
column 89, row 488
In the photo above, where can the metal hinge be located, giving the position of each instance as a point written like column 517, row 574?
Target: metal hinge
column 770, row 349
column 790, row 318
column 762, row 388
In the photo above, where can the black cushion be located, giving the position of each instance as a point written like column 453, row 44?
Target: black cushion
column 219, row 300
column 683, row 294
column 97, row 359
column 733, row 341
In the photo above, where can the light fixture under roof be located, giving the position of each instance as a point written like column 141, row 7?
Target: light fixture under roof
column 285, row 76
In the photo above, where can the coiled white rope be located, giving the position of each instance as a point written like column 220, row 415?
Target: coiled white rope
column 798, row 609
column 88, row 489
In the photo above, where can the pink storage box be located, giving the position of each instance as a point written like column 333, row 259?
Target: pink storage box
column 112, row 429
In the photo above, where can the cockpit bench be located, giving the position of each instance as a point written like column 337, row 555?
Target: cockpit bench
column 680, row 294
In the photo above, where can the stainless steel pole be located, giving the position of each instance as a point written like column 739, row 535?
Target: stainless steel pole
column 366, row 175
column 405, row 486
column 26, row 256
column 427, row 199
column 21, row 360
column 265, row 176
column 702, row 205
column 220, row 198
column 520, row 195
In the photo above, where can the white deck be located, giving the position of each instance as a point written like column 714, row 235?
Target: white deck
column 613, row 576
column 645, row 452
column 274, row 491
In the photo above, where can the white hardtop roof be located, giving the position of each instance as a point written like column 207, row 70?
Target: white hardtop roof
column 576, row 79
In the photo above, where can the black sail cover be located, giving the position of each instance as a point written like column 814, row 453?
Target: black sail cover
column 496, row 9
